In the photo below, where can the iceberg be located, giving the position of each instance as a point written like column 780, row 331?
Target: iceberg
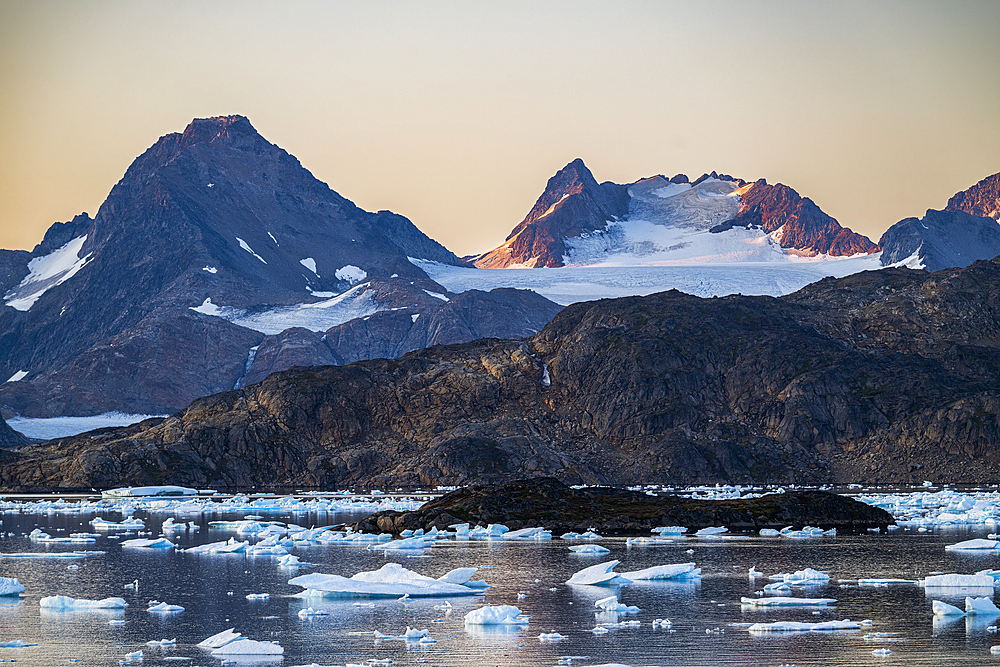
column 597, row 575
column 945, row 609
column 798, row 626
column 502, row 614
column 787, row 602
column 678, row 571
column 973, row 545
column 612, row 604
column 17, row 643
column 10, row 586
column 154, row 543
column 807, row 576
column 391, row 580
column 245, row 646
column 220, row 639
column 162, row 607
column 711, row 530
column 460, row 575
column 982, row 606
column 958, row 581
column 63, row 602
column 589, row 549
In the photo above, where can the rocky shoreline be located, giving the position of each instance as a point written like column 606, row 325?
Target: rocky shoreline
column 550, row 503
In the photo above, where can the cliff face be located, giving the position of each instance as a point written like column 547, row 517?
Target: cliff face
column 982, row 199
column 882, row 376
column 941, row 239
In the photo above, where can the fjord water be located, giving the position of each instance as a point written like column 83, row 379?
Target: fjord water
column 706, row 614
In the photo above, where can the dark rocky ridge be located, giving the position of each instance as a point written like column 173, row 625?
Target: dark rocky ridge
column 982, row 199
column 549, row 503
column 941, row 239
column 9, row 437
column 803, row 225
column 889, row 376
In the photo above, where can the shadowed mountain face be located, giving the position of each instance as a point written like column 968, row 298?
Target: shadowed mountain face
column 881, row 376
column 213, row 238
column 965, row 231
column 574, row 208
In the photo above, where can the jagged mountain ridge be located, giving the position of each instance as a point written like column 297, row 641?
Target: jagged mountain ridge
column 964, row 231
column 887, row 376
column 211, row 237
column 574, row 212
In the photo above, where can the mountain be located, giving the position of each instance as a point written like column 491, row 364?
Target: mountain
column 212, row 240
column 882, row 376
column 982, row 199
column 716, row 218
column 965, row 231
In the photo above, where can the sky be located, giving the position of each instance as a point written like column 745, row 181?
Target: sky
column 455, row 114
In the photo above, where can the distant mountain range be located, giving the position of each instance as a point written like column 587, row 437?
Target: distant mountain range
column 218, row 259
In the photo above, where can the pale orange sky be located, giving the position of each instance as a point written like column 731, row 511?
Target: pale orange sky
column 455, row 114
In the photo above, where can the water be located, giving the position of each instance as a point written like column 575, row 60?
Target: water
column 213, row 590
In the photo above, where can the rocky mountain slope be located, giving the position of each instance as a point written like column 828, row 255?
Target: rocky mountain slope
column 966, row 230
column 656, row 220
column 890, row 375
column 212, row 241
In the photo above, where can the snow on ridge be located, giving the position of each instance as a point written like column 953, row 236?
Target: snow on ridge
column 437, row 295
column 309, row 263
column 243, row 244
column 350, row 273
column 319, row 316
column 18, row 376
column 47, row 272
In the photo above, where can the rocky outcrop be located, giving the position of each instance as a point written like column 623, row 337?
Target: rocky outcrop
column 9, row 437
column 982, row 199
column 887, row 376
column 609, row 511
column 572, row 203
column 799, row 223
column 941, row 240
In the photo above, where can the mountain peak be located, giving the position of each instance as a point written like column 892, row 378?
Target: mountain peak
column 982, row 199
column 234, row 130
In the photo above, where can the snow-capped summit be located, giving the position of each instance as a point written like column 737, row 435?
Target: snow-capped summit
column 660, row 221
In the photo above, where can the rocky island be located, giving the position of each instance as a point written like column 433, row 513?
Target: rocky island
column 609, row 511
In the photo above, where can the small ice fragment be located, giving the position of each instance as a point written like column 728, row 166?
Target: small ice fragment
column 163, row 607
column 551, row 636
column 612, row 604
column 259, row 596
column 10, row 586
column 881, row 652
column 245, row 646
column 503, row 614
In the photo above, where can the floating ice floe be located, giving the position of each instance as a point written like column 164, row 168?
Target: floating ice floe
column 38, row 536
column 973, row 545
column 798, row 626
column 589, row 549
column 53, row 554
column 162, row 642
column 259, row 596
column 982, row 606
column 944, row 609
column 391, row 580
column 220, row 639
column 769, row 532
column 244, row 646
column 804, row 577
column 680, row 571
column 309, row 611
column 228, row 547
column 501, row 614
column 151, row 543
column 787, row 602
column 646, row 541
column 58, row 602
column 148, row 491
column 612, row 604
column 156, row 606
column 597, row 575
column 712, row 530
column 127, row 524
column 17, row 643
column 552, row 636
column 10, row 586
column 528, row 534
column 958, row 581
column 669, row 530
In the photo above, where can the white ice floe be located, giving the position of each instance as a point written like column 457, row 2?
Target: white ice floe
column 973, row 545
column 657, row 572
column 391, row 580
column 601, row 574
column 158, row 607
column 47, row 272
column 126, row 525
column 220, row 639
column 309, row 611
column 64, row 602
column 808, row 576
column 227, row 547
column 769, row 532
column 958, row 581
column 798, row 626
column 589, row 549
column 612, row 604
column 551, row 636
column 669, row 530
column 502, row 614
column 10, row 586
column 711, row 530
column 982, row 606
column 54, row 554
column 148, row 543
column 944, row 609
column 787, row 602
column 244, row 646
column 168, row 490
column 162, row 642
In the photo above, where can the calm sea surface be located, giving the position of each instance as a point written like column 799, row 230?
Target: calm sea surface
column 706, row 615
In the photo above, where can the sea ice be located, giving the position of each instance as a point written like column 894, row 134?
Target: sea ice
column 245, row 646
column 612, row 604
column 17, row 643
column 391, row 580
column 712, row 530
column 597, row 575
column 958, row 581
column 10, row 586
column 502, row 614
column 787, row 602
column 64, row 602
column 797, row 626
column 152, row 543
column 551, row 636
column 589, row 549
column 973, row 545
column 162, row 607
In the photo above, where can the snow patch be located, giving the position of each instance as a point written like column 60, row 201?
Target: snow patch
column 351, row 274
column 210, row 269
column 274, row 239
column 310, row 264
column 47, row 272
column 18, row 376
column 437, row 295
column 243, row 244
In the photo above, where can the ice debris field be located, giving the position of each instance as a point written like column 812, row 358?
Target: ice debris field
column 266, row 579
